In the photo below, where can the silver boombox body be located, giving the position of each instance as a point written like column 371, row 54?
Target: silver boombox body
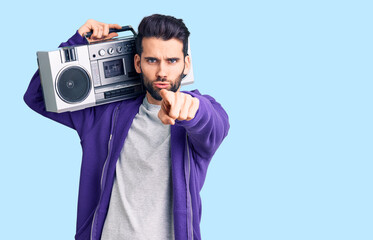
column 78, row 77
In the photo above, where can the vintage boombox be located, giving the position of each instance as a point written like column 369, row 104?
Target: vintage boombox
column 78, row 77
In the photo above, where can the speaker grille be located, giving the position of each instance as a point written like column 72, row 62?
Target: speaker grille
column 73, row 84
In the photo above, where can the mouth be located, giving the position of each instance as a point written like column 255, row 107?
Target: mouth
column 161, row 85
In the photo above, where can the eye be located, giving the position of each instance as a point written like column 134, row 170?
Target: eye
column 173, row 60
column 151, row 60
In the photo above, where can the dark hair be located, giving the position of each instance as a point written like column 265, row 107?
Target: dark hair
column 162, row 26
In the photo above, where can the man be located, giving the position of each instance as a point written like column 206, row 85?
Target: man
column 144, row 159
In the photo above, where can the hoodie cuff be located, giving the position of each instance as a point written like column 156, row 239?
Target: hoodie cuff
column 76, row 39
column 200, row 114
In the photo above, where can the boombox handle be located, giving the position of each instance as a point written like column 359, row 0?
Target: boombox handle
column 111, row 30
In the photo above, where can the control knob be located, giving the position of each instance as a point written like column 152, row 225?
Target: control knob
column 101, row 52
column 110, row 51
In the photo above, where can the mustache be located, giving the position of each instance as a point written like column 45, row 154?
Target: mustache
column 159, row 79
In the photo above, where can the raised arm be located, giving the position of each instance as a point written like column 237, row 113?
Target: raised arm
column 78, row 120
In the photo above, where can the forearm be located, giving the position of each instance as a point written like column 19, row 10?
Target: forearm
column 34, row 94
column 76, row 39
column 208, row 128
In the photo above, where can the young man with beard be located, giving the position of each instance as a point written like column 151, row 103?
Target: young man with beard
column 144, row 159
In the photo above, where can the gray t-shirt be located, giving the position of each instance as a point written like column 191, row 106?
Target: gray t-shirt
column 141, row 199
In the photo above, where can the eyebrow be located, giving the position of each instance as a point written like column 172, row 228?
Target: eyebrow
column 174, row 58
column 168, row 59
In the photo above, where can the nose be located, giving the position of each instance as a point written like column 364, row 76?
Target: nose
column 162, row 70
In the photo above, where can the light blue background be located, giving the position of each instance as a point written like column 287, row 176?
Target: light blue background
column 295, row 78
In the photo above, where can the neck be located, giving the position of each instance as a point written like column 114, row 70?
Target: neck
column 151, row 100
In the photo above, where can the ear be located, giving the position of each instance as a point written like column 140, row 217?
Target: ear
column 187, row 64
column 137, row 61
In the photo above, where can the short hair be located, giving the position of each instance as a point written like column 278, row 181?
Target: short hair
column 164, row 27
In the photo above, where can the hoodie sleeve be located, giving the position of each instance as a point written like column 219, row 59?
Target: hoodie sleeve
column 78, row 120
column 208, row 128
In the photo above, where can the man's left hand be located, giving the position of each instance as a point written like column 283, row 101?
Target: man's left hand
column 177, row 106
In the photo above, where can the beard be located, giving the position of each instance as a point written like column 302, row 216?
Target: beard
column 148, row 84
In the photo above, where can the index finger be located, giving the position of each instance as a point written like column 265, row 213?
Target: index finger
column 115, row 26
column 166, row 95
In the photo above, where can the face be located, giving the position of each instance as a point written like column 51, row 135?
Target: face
column 161, row 66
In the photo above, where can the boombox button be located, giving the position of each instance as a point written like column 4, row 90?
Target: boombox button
column 101, row 52
column 110, row 51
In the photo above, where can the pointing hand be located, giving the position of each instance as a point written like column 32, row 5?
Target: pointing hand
column 177, row 106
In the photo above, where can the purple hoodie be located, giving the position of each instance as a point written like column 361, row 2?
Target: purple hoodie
column 102, row 131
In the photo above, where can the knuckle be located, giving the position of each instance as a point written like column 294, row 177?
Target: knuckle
column 92, row 22
column 173, row 115
column 191, row 115
column 182, row 117
column 196, row 101
column 189, row 100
